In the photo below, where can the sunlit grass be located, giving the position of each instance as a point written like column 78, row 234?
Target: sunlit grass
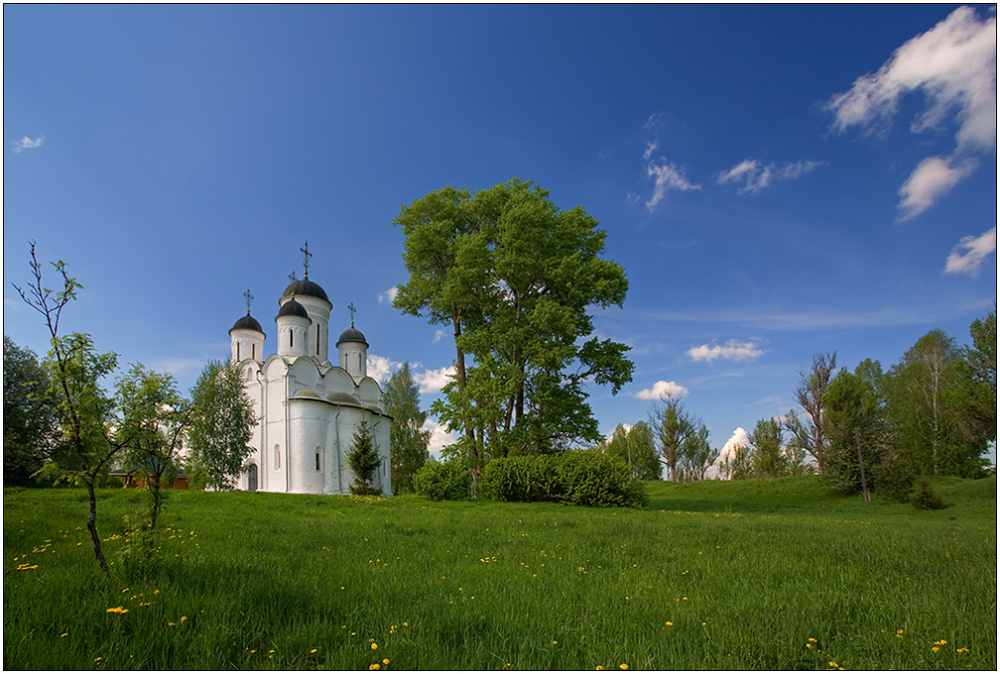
column 772, row 575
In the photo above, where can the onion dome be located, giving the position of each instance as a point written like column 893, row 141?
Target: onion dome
column 351, row 334
column 305, row 287
column 293, row 308
column 248, row 322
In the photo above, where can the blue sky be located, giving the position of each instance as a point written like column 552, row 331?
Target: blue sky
column 777, row 181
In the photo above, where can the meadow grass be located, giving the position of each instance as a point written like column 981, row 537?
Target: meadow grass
column 779, row 574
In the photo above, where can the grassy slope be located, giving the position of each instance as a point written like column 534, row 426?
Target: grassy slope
column 712, row 576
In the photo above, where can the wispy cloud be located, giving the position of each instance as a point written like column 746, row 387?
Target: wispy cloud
column 438, row 334
column 431, row 381
column 650, row 149
column 28, row 144
column 968, row 255
column 933, row 178
column 389, row 295
column 954, row 65
column 667, row 177
column 663, row 390
column 756, row 176
column 731, row 350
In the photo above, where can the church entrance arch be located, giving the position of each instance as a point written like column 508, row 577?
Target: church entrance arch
column 252, row 477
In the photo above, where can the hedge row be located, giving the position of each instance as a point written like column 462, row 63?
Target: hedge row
column 585, row 477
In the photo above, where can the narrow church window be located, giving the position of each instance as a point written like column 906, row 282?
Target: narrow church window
column 277, row 456
column 317, row 344
column 291, row 338
column 253, row 351
column 237, row 352
column 317, row 458
column 360, row 363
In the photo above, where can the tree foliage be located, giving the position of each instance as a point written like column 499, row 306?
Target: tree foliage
column 153, row 417
column 407, row 437
column 30, row 428
column 858, row 433
column 513, row 275
column 636, row 446
column 222, row 424
column 931, row 402
column 364, row 460
column 682, row 441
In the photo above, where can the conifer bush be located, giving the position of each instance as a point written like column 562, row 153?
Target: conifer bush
column 924, row 497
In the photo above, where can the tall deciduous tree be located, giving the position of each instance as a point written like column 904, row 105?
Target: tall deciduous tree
column 29, row 424
column 407, row 437
column 931, row 397
column 765, row 443
column 857, row 433
column 75, row 370
column 514, row 276
column 682, row 440
column 222, row 424
column 636, row 446
column 982, row 358
column 810, row 433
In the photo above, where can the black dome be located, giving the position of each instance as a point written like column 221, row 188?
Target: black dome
column 352, row 335
column 293, row 308
column 248, row 322
column 306, row 287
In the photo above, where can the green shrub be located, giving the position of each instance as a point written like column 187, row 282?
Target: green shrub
column 577, row 477
column 443, row 481
column 924, row 498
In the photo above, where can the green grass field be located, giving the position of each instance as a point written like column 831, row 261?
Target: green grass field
column 777, row 574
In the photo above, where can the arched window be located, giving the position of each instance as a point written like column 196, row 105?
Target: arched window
column 317, row 458
column 317, row 340
column 253, row 351
column 237, row 352
column 291, row 338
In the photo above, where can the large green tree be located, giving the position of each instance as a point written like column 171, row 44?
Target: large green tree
column 982, row 358
column 222, row 424
column 857, row 431
column 30, row 426
column 514, row 276
column 407, row 437
column 932, row 399
column 682, row 441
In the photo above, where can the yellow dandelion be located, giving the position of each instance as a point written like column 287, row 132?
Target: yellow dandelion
column 599, row 668
column 64, row 634
column 375, row 666
column 172, row 624
column 669, row 624
column 809, row 645
column 97, row 659
column 623, row 666
column 812, row 640
column 935, row 649
column 183, row 618
column 385, row 661
column 313, row 650
column 374, row 646
column 118, row 610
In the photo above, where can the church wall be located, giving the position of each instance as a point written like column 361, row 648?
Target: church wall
column 308, row 425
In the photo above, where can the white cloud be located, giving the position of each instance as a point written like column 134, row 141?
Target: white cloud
column 969, row 253
column 933, row 178
column 955, row 66
column 27, row 144
column 731, row 350
column 756, row 176
column 740, row 438
column 389, row 295
column 431, row 381
column 650, row 149
column 381, row 368
column 441, row 437
column 663, row 390
column 668, row 177
column 438, row 334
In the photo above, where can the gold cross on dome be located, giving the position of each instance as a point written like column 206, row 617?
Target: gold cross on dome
column 350, row 307
column 249, row 298
column 306, row 255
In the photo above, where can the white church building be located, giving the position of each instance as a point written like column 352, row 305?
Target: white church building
column 307, row 408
